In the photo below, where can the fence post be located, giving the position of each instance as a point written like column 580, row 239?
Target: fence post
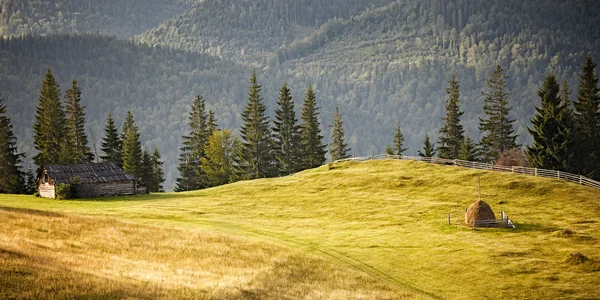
column 580, row 179
column 558, row 174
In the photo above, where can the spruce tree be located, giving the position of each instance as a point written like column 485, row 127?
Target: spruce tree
column 286, row 133
column 311, row 140
column 587, row 116
column 29, row 178
column 190, row 174
column 11, row 177
column 397, row 147
column 132, row 148
column 469, row 150
column 338, row 149
column 76, row 136
column 223, row 154
column 497, row 127
column 49, row 128
column 146, row 170
column 452, row 134
column 158, row 176
column 258, row 150
column 112, row 143
column 551, row 131
column 428, row 148
column 573, row 165
column 212, row 123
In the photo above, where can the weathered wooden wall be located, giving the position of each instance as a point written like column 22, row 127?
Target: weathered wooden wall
column 47, row 190
column 104, row 189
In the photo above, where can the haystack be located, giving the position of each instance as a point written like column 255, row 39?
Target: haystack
column 479, row 211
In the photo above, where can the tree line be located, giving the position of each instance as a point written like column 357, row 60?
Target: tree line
column 265, row 148
column 565, row 132
column 60, row 139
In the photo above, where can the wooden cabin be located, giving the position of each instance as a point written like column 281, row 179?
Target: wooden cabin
column 88, row 180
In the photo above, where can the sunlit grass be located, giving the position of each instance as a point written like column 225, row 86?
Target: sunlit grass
column 385, row 219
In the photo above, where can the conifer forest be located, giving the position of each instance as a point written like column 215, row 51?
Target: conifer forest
column 190, row 94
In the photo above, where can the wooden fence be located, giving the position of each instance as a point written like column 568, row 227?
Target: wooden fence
column 579, row 179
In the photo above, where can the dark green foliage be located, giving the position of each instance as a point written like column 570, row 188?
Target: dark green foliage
column 190, row 175
column 49, row 128
column 551, row 130
column 212, row 123
column 112, row 143
column 452, row 134
column 29, row 179
column 469, row 150
column 223, row 155
column 338, row 149
column 587, row 115
column 64, row 191
column 497, row 128
column 397, row 147
column 11, row 181
column 258, row 150
column 158, row 176
column 131, row 148
column 76, row 137
column 311, row 140
column 428, row 148
column 286, row 133
column 146, row 170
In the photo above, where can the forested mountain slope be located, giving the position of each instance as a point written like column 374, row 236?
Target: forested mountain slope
column 114, row 17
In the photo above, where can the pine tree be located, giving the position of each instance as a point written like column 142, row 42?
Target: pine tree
column 498, row 127
column 190, row 174
column 158, row 176
column 212, row 123
column 146, row 170
column 428, row 148
column 397, row 147
column 469, row 150
column 573, row 165
column 311, row 139
column 49, row 128
column 112, row 143
column 76, row 136
column 223, row 153
column 286, row 133
column 587, row 116
column 131, row 148
column 452, row 134
column 338, row 148
column 550, row 132
column 10, row 160
column 256, row 135
column 29, row 179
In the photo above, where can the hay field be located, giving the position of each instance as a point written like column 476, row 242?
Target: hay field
column 360, row 230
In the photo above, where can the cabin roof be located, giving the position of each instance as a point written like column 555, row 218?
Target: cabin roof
column 88, row 173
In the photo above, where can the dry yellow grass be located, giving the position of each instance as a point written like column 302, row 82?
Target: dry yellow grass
column 384, row 220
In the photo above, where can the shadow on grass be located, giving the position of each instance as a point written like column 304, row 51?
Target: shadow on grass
column 29, row 211
column 526, row 227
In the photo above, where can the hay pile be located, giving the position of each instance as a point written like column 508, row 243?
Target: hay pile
column 479, row 211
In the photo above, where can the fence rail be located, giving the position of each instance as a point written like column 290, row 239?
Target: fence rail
column 579, row 179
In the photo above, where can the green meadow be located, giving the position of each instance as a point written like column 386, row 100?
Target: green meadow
column 371, row 230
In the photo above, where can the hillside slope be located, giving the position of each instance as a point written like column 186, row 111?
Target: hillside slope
column 388, row 219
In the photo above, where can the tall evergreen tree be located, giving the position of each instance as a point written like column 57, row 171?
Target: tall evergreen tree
column 11, row 177
column 76, row 136
column 452, row 134
column 29, row 179
column 223, row 154
column 574, row 165
column 212, row 123
column 158, row 176
column 132, row 148
column 338, row 149
column 497, row 127
column 313, row 149
column 397, row 147
column 550, row 132
column 146, row 170
column 286, row 133
column 49, row 128
column 190, row 174
column 587, row 115
column 112, row 143
column 428, row 148
column 256, row 134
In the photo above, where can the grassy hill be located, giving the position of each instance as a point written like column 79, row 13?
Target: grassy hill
column 375, row 229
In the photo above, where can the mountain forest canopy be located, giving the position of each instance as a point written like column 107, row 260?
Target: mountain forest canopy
column 379, row 61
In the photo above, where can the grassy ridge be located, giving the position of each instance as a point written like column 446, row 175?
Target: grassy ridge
column 388, row 219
